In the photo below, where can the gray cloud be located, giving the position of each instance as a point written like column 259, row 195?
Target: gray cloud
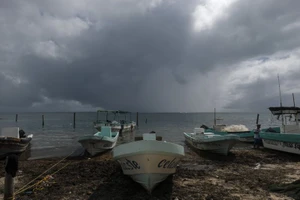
column 142, row 56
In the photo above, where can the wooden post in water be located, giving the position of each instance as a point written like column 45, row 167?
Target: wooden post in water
column 43, row 121
column 294, row 100
column 257, row 119
column 16, row 117
column 137, row 119
column 11, row 168
column 215, row 117
column 74, row 120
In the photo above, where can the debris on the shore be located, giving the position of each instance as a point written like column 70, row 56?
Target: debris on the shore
column 198, row 177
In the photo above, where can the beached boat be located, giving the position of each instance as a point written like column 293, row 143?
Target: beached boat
column 208, row 141
column 288, row 138
column 245, row 135
column 100, row 141
column 13, row 141
column 148, row 160
column 242, row 131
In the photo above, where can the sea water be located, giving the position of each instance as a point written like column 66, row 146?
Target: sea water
column 58, row 137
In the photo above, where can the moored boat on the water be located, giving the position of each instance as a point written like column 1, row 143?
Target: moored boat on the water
column 116, row 123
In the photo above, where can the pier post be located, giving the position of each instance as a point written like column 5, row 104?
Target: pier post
column 137, row 119
column 11, row 168
column 16, row 117
column 43, row 121
column 257, row 118
column 74, row 120
column 294, row 100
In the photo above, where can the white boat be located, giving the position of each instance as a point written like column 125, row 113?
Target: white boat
column 148, row 161
column 209, row 141
column 116, row 124
column 13, row 141
column 100, row 141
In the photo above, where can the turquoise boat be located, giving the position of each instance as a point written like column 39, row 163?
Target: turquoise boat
column 287, row 137
column 100, row 141
column 208, row 141
column 244, row 134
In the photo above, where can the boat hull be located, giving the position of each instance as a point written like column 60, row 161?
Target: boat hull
column 113, row 128
column 148, row 162
column 13, row 145
column 117, row 128
column 96, row 144
column 221, row 144
column 244, row 136
column 149, row 169
column 282, row 142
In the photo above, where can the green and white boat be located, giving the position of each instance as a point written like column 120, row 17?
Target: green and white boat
column 244, row 134
column 100, row 141
column 147, row 160
column 209, row 141
column 288, row 138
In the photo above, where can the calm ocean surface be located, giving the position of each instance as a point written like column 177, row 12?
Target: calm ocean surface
column 59, row 138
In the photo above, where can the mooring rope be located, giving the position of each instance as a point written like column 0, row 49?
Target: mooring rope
column 22, row 189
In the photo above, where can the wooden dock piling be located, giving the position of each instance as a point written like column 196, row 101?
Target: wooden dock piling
column 16, row 117
column 137, row 119
column 74, row 120
column 43, row 121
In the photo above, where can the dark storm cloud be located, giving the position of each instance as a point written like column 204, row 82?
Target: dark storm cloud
column 117, row 59
column 149, row 60
column 13, row 94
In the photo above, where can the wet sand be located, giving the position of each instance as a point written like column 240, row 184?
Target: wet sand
column 244, row 174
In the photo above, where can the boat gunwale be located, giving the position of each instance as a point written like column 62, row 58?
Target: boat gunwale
column 179, row 155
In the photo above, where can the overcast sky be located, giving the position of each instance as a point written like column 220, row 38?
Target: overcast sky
column 148, row 55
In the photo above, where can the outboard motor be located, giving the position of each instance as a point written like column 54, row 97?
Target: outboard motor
column 22, row 134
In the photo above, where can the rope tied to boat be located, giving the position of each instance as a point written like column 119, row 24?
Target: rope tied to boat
column 46, row 178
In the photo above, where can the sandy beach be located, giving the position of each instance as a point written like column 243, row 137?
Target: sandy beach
column 243, row 174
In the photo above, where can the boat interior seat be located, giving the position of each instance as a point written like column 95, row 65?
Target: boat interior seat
column 10, row 132
column 198, row 131
column 113, row 134
column 106, row 131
